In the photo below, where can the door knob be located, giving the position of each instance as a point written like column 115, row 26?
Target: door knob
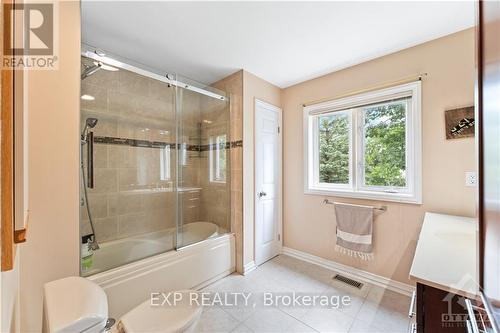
column 262, row 194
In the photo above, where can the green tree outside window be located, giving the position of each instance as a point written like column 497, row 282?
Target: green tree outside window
column 385, row 145
column 334, row 149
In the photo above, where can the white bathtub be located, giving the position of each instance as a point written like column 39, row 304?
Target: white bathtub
column 191, row 267
column 124, row 251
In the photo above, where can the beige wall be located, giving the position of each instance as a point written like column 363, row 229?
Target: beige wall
column 9, row 304
column 51, row 250
column 309, row 226
column 244, row 88
column 253, row 88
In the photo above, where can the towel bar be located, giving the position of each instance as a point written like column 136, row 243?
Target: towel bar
column 381, row 208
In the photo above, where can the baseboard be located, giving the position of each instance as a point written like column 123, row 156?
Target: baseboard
column 249, row 267
column 352, row 272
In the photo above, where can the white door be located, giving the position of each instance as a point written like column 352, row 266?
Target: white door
column 267, row 181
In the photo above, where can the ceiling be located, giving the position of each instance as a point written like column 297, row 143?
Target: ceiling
column 282, row 42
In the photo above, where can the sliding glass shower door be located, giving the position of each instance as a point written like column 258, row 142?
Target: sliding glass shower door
column 128, row 199
column 155, row 171
column 203, row 169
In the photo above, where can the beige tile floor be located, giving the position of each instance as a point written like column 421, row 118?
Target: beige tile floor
column 372, row 309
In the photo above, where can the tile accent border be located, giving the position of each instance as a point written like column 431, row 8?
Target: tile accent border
column 159, row 144
column 237, row 143
column 131, row 142
column 396, row 286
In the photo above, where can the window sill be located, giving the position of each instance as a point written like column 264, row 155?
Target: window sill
column 379, row 196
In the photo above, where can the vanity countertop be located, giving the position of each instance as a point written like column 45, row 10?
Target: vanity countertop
column 446, row 254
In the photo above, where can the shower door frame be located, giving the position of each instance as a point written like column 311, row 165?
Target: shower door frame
column 93, row 53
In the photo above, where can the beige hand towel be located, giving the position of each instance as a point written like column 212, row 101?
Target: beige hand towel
column 354, row 230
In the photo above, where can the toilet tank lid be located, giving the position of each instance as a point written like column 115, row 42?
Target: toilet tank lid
column 74, row 304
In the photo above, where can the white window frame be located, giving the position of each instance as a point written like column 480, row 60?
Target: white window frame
column 355, row 188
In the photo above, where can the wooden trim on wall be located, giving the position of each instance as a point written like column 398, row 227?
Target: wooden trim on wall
column 20, row 234
column 7, row 154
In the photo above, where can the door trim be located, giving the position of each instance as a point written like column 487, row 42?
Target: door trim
column 271, row 107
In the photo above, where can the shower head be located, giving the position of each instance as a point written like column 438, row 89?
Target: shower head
column 89, row 70
column 89, row 123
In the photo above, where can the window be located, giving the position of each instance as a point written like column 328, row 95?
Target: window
column 165, row 163
column 366, row 146
column 218, row 158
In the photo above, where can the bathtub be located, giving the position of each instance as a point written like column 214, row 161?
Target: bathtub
column 190, row 267
column 123, row 251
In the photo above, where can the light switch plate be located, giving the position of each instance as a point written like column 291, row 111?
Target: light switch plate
column 470, row 178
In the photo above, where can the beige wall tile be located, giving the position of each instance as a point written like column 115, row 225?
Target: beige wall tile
column 120, row 103
column 101, row 78
column 98, row 204
column 129, row 203
column 106, row 126
column 100, row 102
column 105, row 181
column 133, row 224
column 233, row 84
column 100, row 156
column 134, row 107
column 162, row 91
column 106, row 228
column 131, row 83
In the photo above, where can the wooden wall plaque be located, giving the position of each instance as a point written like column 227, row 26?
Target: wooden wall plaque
column 459, row 123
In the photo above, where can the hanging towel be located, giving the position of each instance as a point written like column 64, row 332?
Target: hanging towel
column 354, row 230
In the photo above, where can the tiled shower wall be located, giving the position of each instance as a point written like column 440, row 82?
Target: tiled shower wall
column 215, row 195
column 233, row 85
column 131, row 195
column 133, row 191
column 203, row 200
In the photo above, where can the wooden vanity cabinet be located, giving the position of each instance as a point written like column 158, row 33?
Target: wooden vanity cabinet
column 439, row 311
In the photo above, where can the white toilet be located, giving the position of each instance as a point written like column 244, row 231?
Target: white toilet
column 75, row 304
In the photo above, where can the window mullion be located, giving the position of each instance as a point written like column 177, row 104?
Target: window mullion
column 361, row 149
column 352, row 152
column 356, row 151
